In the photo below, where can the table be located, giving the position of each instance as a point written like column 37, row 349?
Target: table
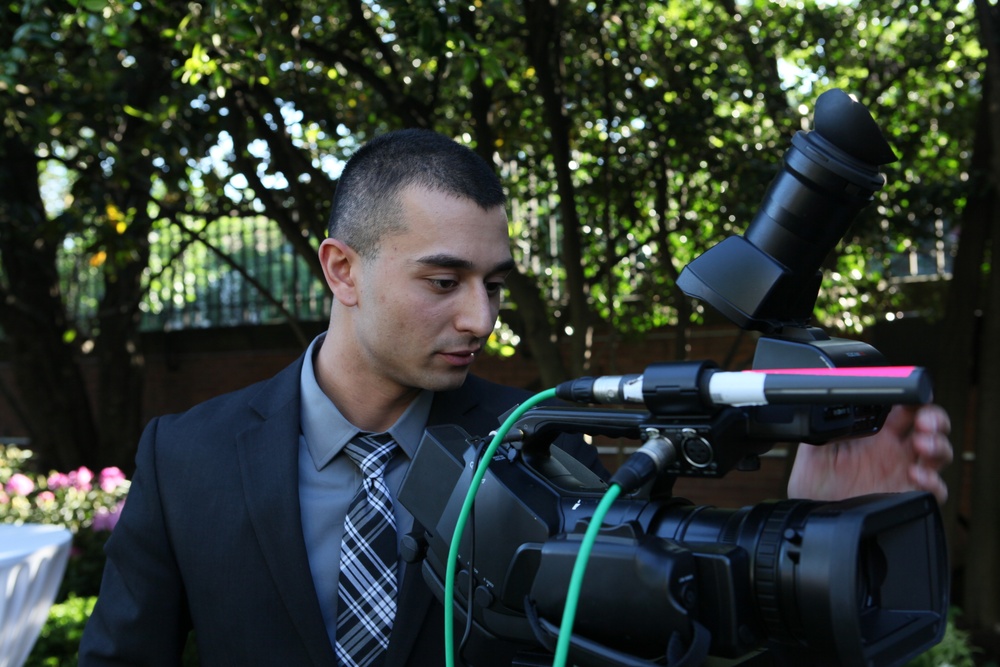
column 33, row 560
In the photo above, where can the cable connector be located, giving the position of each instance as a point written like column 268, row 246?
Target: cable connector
column 656, row 454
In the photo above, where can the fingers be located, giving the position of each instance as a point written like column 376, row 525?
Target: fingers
column 930, row 437
column 933, row 449
column 901, row 419
column 926, row 479
column 933, row 418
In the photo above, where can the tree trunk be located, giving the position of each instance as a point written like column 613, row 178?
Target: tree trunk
column 54, row 400
column 982, row 582
column 531, row 319
column 954, row 366
column 982, row 577
column 534, row 326
column 121, row 363
column 544, row 50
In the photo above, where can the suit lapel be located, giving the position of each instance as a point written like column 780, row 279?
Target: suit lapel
column 268, row 457
column 460, row 407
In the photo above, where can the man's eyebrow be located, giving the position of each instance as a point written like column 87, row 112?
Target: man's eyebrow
column 446, row 261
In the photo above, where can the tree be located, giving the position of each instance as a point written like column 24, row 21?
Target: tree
column 68, row 100
column 632, row 137
column 90, row 90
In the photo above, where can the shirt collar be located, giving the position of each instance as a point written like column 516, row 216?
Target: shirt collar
column 326, row 430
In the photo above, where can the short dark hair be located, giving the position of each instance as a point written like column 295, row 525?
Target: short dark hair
column 367, row 203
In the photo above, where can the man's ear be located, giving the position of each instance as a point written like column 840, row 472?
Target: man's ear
column 340, row 265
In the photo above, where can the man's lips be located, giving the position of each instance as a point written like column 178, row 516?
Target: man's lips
column 460, row 357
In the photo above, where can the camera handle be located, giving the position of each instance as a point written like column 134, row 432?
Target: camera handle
column 547, row 633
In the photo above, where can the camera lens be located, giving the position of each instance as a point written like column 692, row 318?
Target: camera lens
column 845, row 579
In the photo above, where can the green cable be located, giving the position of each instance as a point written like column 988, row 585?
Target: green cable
column 463, row 516
column 579, row 568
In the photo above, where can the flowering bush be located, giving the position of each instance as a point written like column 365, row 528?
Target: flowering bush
column 86, row 503
column 77, row 500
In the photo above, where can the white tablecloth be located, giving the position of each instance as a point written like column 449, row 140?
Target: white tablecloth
column 32, row 563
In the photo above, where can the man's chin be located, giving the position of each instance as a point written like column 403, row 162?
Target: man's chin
column 446, row 381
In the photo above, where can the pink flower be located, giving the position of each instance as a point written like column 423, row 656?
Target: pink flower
column 105, row 519
column 81, row 478
column 111, row 478
column 45, row 498
column 19, row 485
column 57, row 480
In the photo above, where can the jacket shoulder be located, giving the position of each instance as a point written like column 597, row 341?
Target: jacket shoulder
column 240, row 407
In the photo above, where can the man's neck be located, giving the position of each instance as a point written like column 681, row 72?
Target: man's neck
column 370, row 406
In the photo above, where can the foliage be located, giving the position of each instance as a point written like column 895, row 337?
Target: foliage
column 89, row 506
column 632, row 136
column 954, row 650
column 85, row 503
column 59, row 640
column 662, row 161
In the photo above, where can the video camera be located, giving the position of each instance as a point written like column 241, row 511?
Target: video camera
column 857, row 582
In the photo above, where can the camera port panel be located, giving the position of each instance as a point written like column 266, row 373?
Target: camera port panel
column 696, row 449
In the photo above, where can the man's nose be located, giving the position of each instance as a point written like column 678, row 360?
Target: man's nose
column 478, row 313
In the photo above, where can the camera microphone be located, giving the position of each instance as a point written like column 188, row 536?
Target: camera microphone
column 879, row 385
column 680, row 387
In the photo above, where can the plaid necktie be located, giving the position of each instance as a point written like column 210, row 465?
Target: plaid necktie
column 367, row 589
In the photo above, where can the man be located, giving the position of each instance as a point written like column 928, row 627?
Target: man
column 237, row 510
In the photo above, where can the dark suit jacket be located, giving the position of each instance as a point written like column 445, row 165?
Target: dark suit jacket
column 211, row 539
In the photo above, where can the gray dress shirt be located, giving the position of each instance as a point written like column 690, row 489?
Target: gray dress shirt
column 329, row 480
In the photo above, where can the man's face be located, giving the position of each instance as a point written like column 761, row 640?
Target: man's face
column 430, row 298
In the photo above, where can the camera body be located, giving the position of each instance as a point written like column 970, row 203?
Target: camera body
column 862, row 581
column 856, row 582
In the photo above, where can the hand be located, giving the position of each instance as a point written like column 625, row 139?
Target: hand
column 907, row 454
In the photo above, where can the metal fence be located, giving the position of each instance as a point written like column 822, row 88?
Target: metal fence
column 231, row 272
column 243, row 271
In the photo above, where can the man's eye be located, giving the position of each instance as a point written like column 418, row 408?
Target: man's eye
column 443, row 283
column 494, row 287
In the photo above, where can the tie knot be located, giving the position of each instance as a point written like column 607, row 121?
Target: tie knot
column 371, row 452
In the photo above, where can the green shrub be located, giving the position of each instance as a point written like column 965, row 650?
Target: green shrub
column 59, row 640
column 954, row 650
